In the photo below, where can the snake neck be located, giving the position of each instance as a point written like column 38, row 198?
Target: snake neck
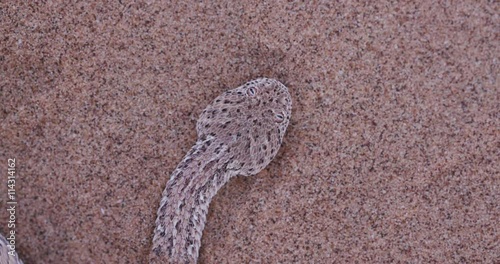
column 185, row 200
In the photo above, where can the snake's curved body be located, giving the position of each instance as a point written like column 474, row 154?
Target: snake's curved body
column 239, row 133
column 7, row 256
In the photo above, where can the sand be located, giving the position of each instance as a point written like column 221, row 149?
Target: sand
column 392, row 154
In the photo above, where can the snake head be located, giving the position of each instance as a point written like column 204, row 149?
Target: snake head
column 251, row 120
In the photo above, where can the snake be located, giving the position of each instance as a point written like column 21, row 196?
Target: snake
column 239, row 133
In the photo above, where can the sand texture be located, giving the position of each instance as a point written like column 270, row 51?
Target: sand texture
column 391, row 156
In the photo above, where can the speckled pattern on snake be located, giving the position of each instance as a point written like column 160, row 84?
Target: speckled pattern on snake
column 239, row 133
column 7, row 256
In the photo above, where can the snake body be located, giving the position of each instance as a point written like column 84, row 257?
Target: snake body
column 7, row 256
column 239, row 133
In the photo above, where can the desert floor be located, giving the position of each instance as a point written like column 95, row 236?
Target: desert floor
column 392, row 153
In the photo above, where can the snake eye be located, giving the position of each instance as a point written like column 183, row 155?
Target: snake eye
column 251, row 91
column 279, row 118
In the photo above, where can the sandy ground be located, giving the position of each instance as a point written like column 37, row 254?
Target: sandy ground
column 392, row 154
